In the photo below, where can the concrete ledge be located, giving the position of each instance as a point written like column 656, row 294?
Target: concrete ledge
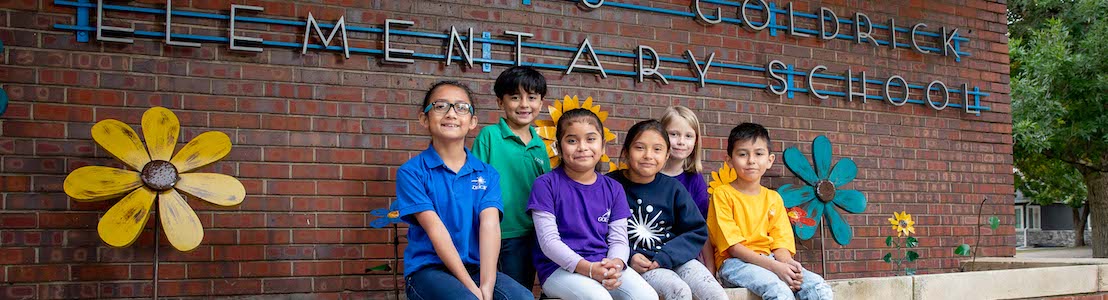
column 1006, row 284
column 1007, row 263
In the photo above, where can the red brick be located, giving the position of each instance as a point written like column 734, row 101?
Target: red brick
column 33, row 129
column 315, row 172
column 38, row 273
column 313, row 236
column 237, row 286
column 298, row 285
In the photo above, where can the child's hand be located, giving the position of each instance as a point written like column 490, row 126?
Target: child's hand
column 798, row 270
column 642, row 264
column 614, row 270
column 785, row 272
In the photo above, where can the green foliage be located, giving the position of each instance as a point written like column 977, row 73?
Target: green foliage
column 888, row 257
column 963, row 250
column 889, row 241
column 911, row 242
column 994, row 222
column 1059, row 90
column 902, row 245
column 911, row 256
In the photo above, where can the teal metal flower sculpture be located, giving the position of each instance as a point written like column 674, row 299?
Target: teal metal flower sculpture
column 821, row 192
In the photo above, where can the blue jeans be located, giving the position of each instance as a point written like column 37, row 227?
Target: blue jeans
column 435, row 282
column 516, row 260
column 736, row 273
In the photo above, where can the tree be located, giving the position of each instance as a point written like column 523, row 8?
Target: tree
column 1060, row 92
column 1047, row 181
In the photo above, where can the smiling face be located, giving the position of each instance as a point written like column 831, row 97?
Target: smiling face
column 682, row 138
column 448, row 125
column 750, row 158
column 520, row 108
column 646, row 156
column 581, row 145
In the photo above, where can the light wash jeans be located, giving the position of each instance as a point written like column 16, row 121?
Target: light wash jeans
column 572, row 286
column 736, row 273
column 688, row 281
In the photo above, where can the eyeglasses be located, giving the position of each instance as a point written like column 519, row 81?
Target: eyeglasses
column 442, row 107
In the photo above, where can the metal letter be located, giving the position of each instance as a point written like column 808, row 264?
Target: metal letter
column 892, row 33
column 467, row 52
column 389, row 50
column 339, row 27
column 232, row 37
column 823, row 14
column 811, row 83
column 772, row 75
column 746, row 19
column 598, row 4
column 915, row 43
column 519, row 44
column 860, row 36
column 850, row 86
column 701, row 74
column 965, row 100
column 700, row 14
column 889, row 95
column 653, row 71
column 169, row 24
column 946, row 95
column 598, row 67
column 100, row 27
column 792, row 22
column 948, row 43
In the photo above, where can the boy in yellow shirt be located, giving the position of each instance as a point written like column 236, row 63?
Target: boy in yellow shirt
column 749, row 228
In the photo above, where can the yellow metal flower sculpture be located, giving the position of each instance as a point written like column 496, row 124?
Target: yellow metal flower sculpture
column 725, row 175
column 547, row 128
column 159, row 178
column 903, row 224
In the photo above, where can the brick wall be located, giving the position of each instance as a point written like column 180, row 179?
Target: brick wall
column 317, row 138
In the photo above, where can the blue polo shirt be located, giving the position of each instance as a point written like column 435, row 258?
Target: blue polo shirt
column 424, row 183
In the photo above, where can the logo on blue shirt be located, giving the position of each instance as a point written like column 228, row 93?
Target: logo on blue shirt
column 479, row 183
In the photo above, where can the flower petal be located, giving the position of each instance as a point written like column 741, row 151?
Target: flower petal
column 821, row 152
column 160, row 129
column 844, row 172
column 839, row 228
column 182, row 227
column 122, row 224
column 218, row 189
column 205, row 149
column 571, row 104
column 797, row 163
column 608, row 136
column 588, row 105
column 121, row 141
column 544, row 123
column 95, row 183
column 795, row 195
column 851, row 201
column 815, row 210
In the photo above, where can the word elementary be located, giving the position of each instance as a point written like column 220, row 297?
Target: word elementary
column 779, row 76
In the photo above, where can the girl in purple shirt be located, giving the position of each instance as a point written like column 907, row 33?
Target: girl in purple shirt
column 581, row 220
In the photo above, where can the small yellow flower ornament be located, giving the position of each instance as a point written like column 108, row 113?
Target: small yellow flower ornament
column 547, row 128
column 156, row 174
column 903, row 224
column 724, row 176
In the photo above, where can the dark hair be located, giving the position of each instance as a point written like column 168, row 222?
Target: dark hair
column 577, row 115
column 637, row 130
column 509, row 82
column 747, row 132
column 427, row 96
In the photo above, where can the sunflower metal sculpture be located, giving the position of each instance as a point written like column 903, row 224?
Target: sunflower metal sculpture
column 547, row 128
column 155, row 175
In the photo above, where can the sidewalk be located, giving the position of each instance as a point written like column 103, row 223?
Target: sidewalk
column 1055, row 252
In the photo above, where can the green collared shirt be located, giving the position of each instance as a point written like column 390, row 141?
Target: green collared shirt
column 518, row 164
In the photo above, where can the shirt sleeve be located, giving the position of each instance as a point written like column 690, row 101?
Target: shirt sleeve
column 699, row 193
column 550, row 241
column 780, row 229
column 620, row 208
column 542, row 195
column 690, row 229
column 492, row 196
column 481, row 145
column 618, row 246
column 411, row 194
column 722, row 226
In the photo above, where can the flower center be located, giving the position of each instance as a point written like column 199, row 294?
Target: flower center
column 825, row 190
column 159, row 175
column 903, row 224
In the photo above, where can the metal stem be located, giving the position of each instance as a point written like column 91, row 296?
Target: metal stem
column 823, row 247
column 156, row 256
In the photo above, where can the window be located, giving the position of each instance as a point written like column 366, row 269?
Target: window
column 1034, row 217
column 1019, row 217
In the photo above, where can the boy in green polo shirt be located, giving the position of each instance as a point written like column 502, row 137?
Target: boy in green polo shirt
column 519, row 155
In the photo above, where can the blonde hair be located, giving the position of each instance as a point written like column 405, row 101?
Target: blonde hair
column 678, row 112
